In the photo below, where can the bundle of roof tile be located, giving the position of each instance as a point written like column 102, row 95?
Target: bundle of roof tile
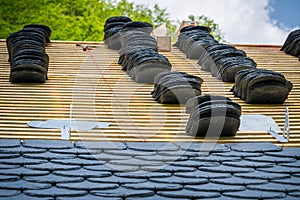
column 27, row 55
column 112, row 29
column 139, row 55
column 292, row 44
column 212, row 116
column 259, row 86
column 176, row 87
column 222, row 60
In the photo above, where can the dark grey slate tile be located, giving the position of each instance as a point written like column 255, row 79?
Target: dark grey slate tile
column 291, row 198
column 188, row 194
column 179, row 153
column 55, row 192
column 112, row 168
column 8, row 143
column 239, row 181
column 212, row 158
column 227, row 169
column 88, row 197
column 290, row 181
column 153, row 186
column 152, row 146
column 9, row 178
column 155, row 197
column 295, row 194
column 275, row 187
column 143, row 174
column 136, row 162
column 48, row 155
column 286, row 152
column 263, row 175
column 9, row 155
column 227, row 198
column 168, row 168
column 23, row 185
column 76, row 151
column 103, row 157
column 8, row 193
column 201, row 148
column 52, row 167
column 22, row 150
column 201, row 174
column 294, row 164
column 238, row 154
column 22, row 161
column 194, row 163
column 259, row 147
column 87, row 185
column 249, row 164
column 158, row 158
column 280, row 169
column 122, row 192
column 100, row 145
column 180, row 180
column 296, row 175
column 212, row 187
column 117, row 180
column 271, row 159
column 22, row 171
column 48, row 144
column 51, row 178
column 82, row 173
column 77, row 161
column 7, row 166
column 26, row 197
column 130, row 152
column 254, row 194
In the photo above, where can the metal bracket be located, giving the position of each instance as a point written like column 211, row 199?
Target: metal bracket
column 66, row 132
column 286, row 130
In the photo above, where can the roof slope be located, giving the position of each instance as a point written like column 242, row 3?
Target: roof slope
column 99, row 90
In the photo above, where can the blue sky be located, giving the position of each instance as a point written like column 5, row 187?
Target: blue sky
column 286, row 12
column 241, row 21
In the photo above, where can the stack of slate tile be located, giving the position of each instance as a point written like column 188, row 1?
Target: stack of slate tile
column 139, row 55
column 176, row 87
column 292, row 44
column 212, row 116
column 112, row 29
column 259, row 86
column 27, row 55
column 222, row 60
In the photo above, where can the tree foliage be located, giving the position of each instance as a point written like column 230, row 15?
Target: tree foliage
column 79, row 20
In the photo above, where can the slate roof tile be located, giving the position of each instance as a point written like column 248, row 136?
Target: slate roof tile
column 238, row 181
column 21, row 150
column 143, row 174
column 289, row 181
column 87, row 185
column 8, row 193
column 293, row 164
column 180, row 180
column 201, row 174
column 203, row 147
column 248, row 164
column 48, row 144
column 227, row 169
column 214, row 158
column 9, row 155
column 256, row 147
column 7, row 166
column 23, row 185
column 179, row 153
column 271, row 159
column 129, row 152
column 281, row 169
column 8, row 178
column 263, row 175
column 8, row 143
column 77, row 161
column 136, row 162
column 159, row 158
column 52, row 178
column 254, row 194
column 194, row 163
column 238, row 154
column 168, row 168
column 295, row 194
column 22, row 161
column 52, row 167
column 26, row 197
column 100, row 145
column 22, row 171
column 152, row 146
column 153, row 186
column 212, row 187
column 82, row 173
column 188, row 194
column 287, row 152
column 88, row 197
column 103, row 157
column 48, row 155
column 112, row 168
column 122, row 192
column 275, row 187
column 117, row 180
column 55, row 192
column 155, row 197
column 76, row 151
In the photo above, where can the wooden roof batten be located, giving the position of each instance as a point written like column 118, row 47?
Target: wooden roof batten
column 99, row 90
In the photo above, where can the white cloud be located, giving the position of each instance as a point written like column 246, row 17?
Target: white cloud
column 241, row 21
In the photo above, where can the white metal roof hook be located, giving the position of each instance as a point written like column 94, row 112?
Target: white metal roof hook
column 286, row 129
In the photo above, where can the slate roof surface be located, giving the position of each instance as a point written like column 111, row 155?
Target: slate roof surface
column 55, row 169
